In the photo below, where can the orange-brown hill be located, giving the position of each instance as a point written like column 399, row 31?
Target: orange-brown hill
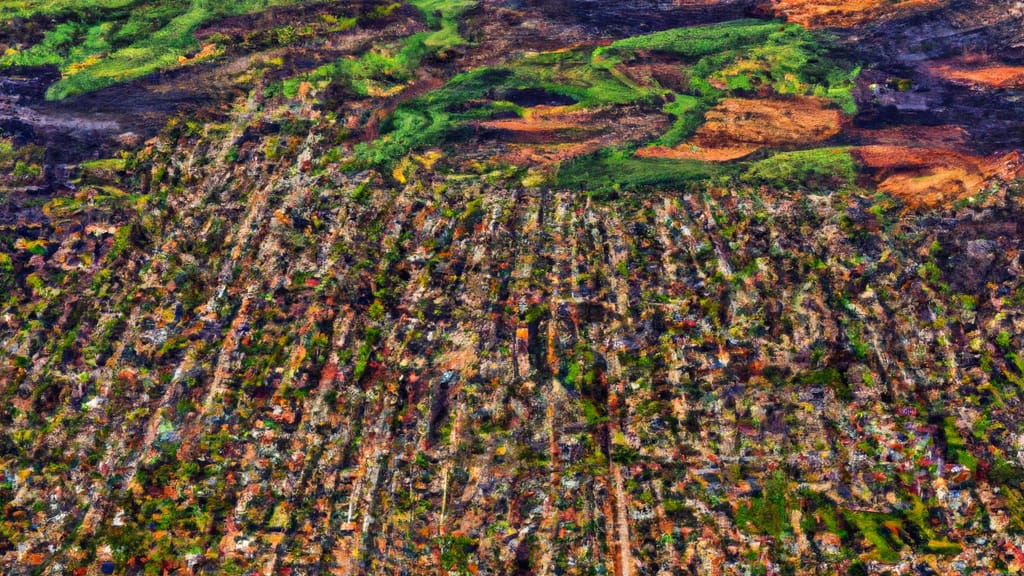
column 980, row 70
column 933, row 177
column 739, row 127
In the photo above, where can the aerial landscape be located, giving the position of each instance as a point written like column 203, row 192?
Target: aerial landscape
column 511, row 287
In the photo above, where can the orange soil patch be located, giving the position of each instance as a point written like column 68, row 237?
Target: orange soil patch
column 630, row 128
column 696, row 152
column 207, row 51
column 771, row 122
column 548, row 153
column 847, row 13
column 548, row 134
column 975, row 70
column 738, row 127
column 548, row 124
column 542, row 111
column 932, row 177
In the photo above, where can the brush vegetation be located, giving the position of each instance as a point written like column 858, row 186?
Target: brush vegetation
column 609, row 172
column 98, row 43
column 818, row 168
column 731, row 59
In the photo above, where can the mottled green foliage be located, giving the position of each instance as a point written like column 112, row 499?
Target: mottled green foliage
column 745, row 55
column 767, row 513
column 874, row 529
column 394, row 65
column 720, row 60
column 100, row 43
column 698, row 41
column 831, row 378
column 955, row 446
column 822, row 167
column 608, row 173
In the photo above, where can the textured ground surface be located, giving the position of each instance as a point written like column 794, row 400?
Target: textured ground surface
column 453, row 287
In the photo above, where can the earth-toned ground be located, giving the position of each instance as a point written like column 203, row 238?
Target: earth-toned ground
column 488, row 287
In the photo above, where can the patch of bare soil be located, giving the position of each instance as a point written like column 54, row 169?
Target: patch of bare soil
column 547, row 134
column 739, row 127
column 979, row 71
column 933, row 177
column 548, row 124
column 848, row 13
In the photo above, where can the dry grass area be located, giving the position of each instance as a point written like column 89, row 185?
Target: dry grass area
column 547, row 124
column 933, row 177
column 708, row 153
column 545, row 154
column 739, row 127
column 626, row 128
column 846, row 13
column 666, row 74
column 546, row 134
column 979, row 70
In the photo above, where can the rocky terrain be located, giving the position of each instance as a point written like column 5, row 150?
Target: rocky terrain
column 458, row 287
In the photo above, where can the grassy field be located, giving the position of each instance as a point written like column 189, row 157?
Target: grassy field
column 387, row 70
column 720, row 60
column 804, row 168
column 98, row 43
column 609, row 172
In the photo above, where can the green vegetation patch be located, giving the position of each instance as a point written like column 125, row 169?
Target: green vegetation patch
column 20, row 165
column 99, row 43
column 456, row 552
column 943, row 547
column 831, row 378
column 694, row 42
column 388, row 68
column 563, row 77
column 881, row 530
column 688, row 112
column 611, row 171
column 738, row 58
column 745, row 56
column 956, row 449
column 818, row 168
column 767, row 513
column 442, row 16
column 374, row 73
